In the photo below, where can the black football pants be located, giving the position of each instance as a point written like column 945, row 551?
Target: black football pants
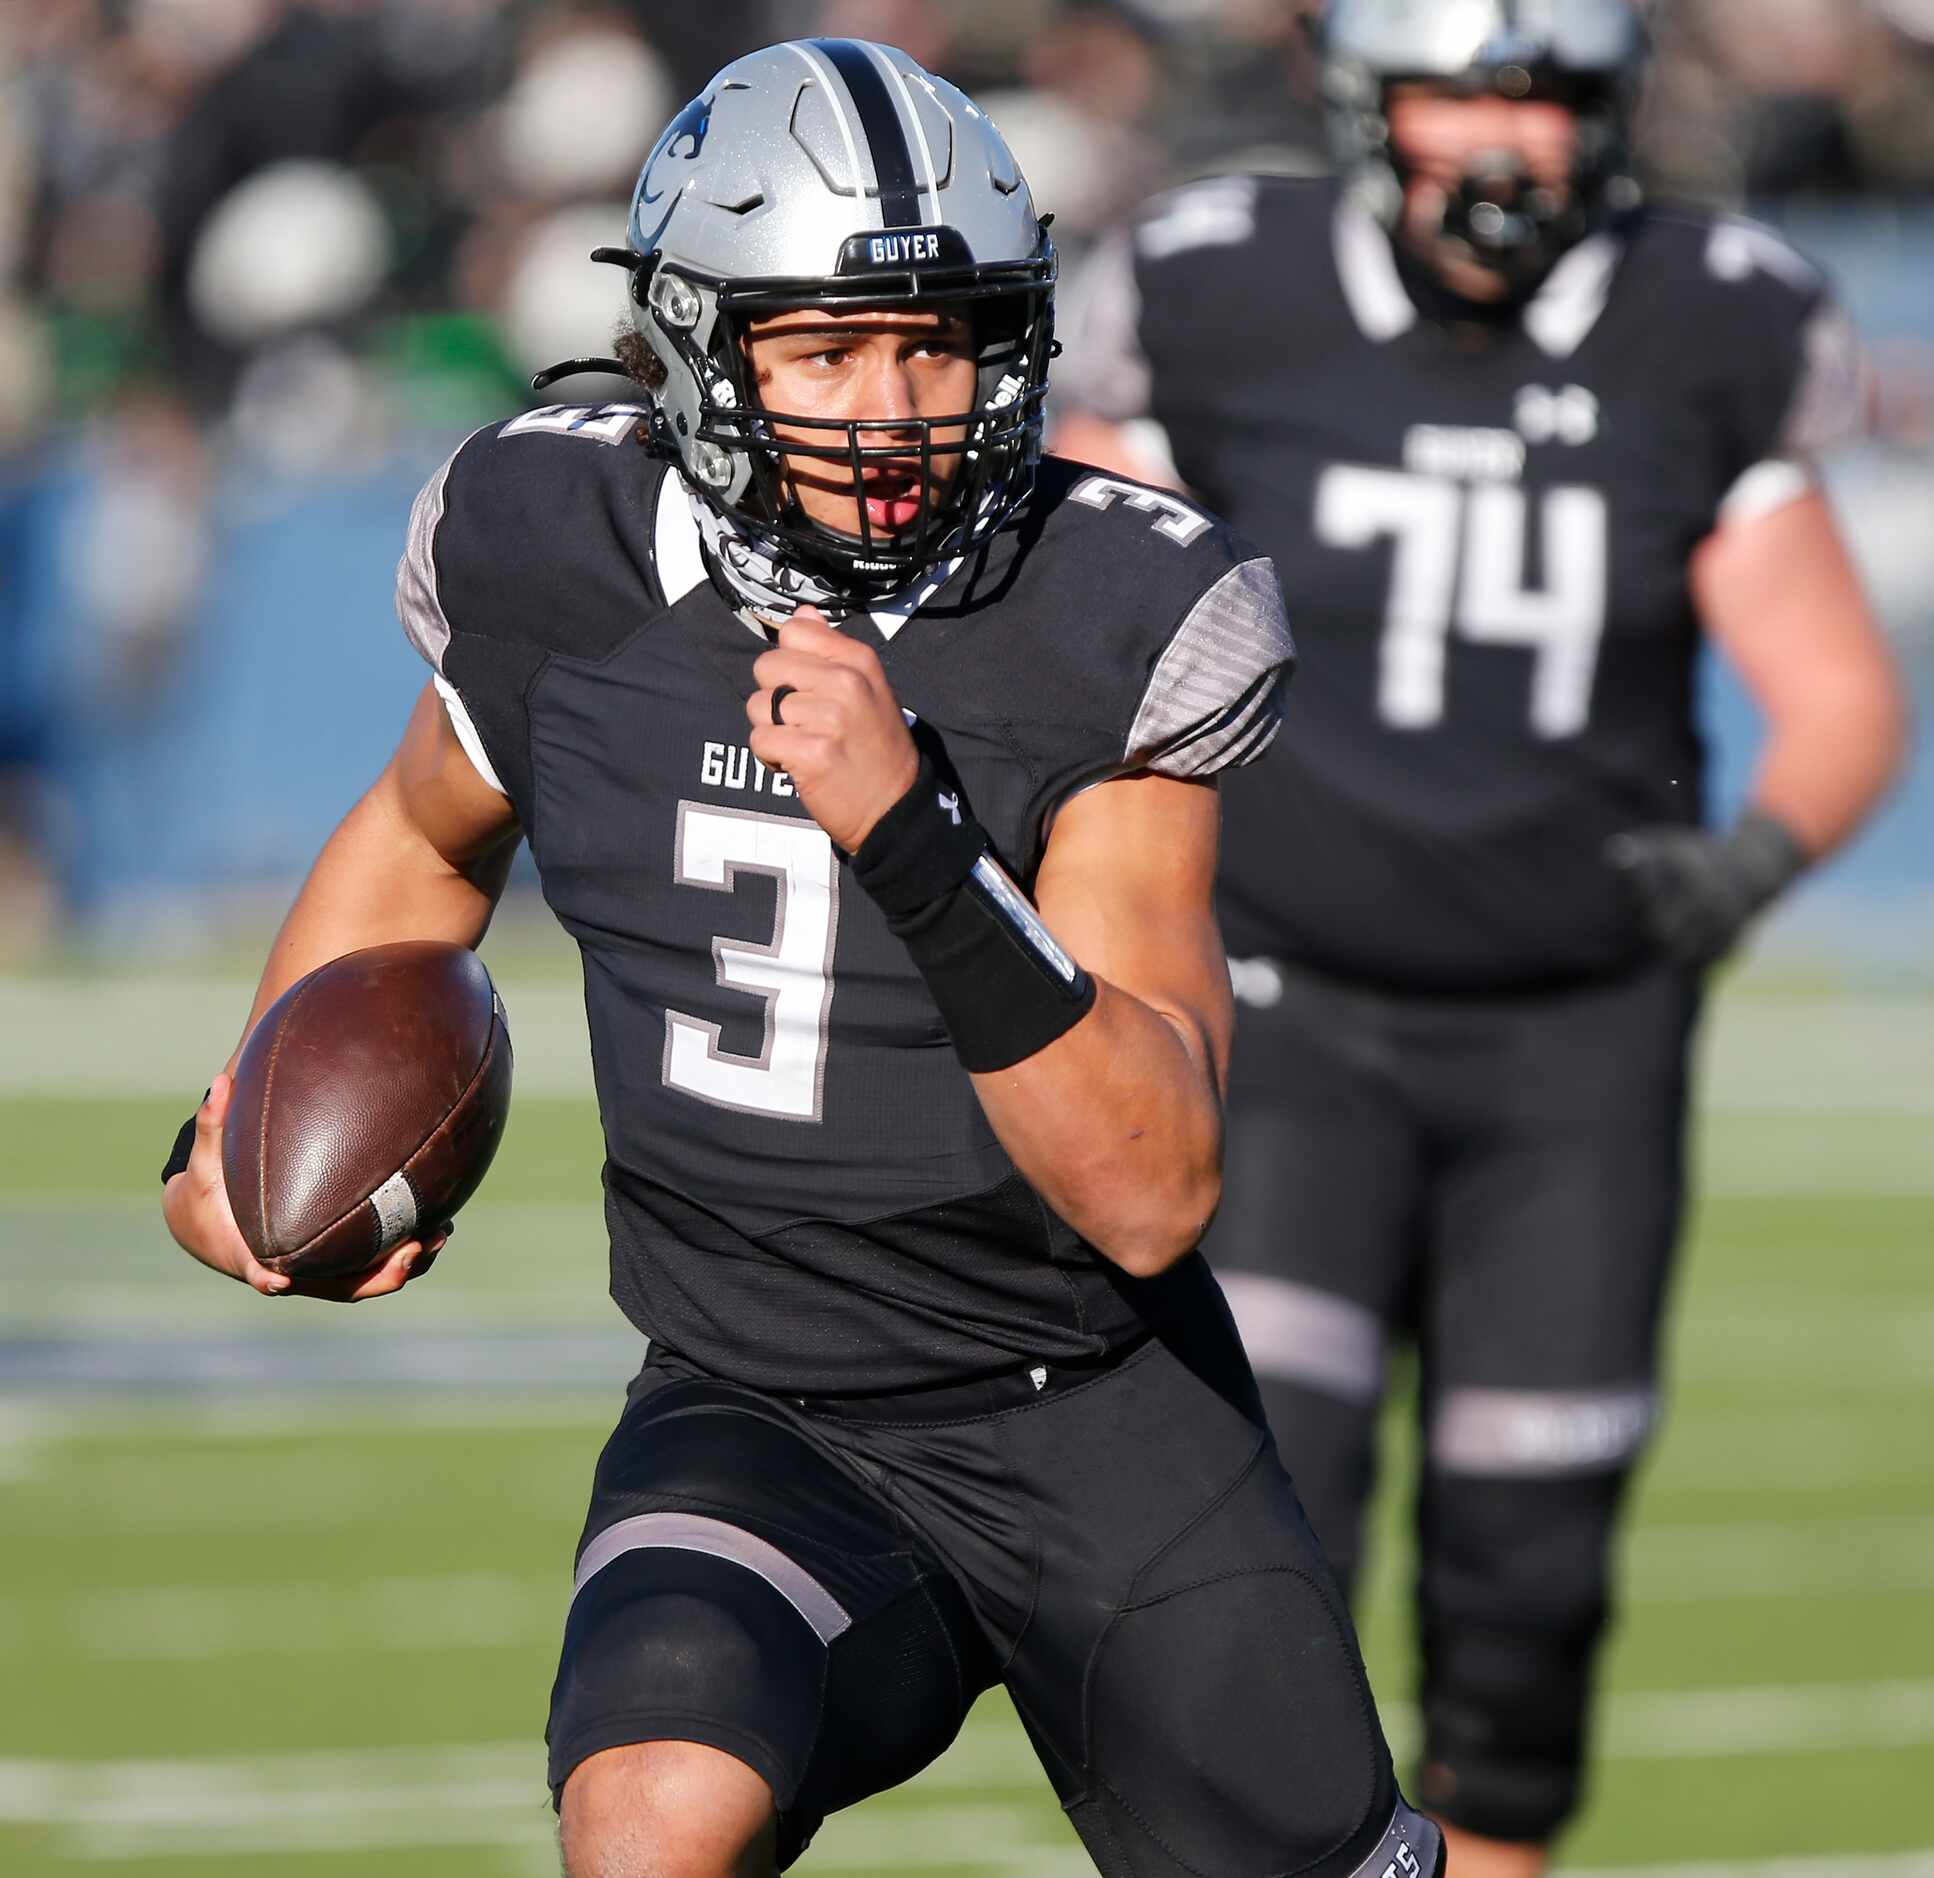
column 1500, row 1180
column 822, row 1589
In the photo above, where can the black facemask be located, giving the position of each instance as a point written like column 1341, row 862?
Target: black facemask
column 1508, row 224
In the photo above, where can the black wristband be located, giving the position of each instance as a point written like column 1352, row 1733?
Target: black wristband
column 1004, row 987
column 925, row 845
column 177, row 1161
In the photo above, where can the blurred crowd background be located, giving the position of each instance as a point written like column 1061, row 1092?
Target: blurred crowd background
column 261, row 259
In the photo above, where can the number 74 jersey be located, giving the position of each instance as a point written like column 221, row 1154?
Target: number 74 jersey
column 803, row 1192
column 1483, row 535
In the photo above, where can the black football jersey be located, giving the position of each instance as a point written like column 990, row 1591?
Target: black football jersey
column 802, row 1190
column 1482, row 540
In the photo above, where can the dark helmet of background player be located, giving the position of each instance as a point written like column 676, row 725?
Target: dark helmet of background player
column 831, row 173
column 1586, row 54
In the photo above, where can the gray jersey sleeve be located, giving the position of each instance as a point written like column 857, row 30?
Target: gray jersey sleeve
column 419, row 606
column 1830, row 400
column 1214, row 700
column 419, row 610
column 1828, row 409
column 1817, row 396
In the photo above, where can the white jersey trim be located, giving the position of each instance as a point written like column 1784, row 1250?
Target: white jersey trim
column 675, row 543
column 460, row 722
column 678, row 549
column 1764, row 488
column 1559, row 317
column 1564, row 310
column 1367, row 271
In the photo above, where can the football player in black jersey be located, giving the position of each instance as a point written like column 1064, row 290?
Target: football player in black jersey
column 871, row 763
column 1517, row 442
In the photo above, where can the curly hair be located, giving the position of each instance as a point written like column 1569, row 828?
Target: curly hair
column 642, row 365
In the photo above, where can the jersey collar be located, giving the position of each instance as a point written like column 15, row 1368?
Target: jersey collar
column 677, row 549
column 1559, row 316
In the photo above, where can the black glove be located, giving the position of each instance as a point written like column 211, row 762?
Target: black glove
column 177, row 1162
column 1697, row 891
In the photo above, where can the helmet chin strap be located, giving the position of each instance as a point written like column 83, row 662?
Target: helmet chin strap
column 761, row 578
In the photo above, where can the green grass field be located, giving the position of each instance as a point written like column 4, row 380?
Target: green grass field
column 280, row 1586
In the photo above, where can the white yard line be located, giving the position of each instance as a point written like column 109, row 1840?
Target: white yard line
column 292, row 1414
column 1731, row 1724
column 1832, row 1865
column 113, row 1035
column 123, row 1036
column 1881, row 1358
column 1695, row 1562
column 992, row 1837
column 1740, row 1451
column 1708, row 1563
column 1723, row 1723
column 197, row 1623
column 483, row 1796
column 1676, row 1725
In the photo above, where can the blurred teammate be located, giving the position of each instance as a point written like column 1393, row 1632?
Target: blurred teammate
column 1515, row 441
column 908, row 1013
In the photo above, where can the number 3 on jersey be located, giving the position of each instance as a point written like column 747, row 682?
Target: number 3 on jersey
column 792, row 972
column 1459, row 561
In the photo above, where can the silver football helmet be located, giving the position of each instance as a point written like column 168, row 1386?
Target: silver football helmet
column 1588, row 54
column 834, row 173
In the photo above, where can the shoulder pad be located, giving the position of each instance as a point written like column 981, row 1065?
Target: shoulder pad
column 1738, row 249
column 1764, row 338
column 1722, row 251
column 521, row 513
column 1138, row 527
column 1216, row 212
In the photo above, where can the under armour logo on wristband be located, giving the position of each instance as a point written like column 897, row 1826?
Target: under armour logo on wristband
column 951, row 804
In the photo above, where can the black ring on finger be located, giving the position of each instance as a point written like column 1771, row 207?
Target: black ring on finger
column 779, row 696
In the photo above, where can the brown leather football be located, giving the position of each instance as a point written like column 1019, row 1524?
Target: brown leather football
column 367, row 1105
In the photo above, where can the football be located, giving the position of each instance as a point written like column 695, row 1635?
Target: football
column 367, row 1105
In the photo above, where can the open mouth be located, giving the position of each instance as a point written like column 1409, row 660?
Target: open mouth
column 892, row 497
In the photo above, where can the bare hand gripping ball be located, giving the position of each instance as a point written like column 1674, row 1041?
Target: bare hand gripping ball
column 367, row 1105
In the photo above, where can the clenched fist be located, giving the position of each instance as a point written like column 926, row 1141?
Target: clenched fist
column 839, row 732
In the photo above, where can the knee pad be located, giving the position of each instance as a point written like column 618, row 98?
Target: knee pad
column 1230, row 1724
column 1515, row 1598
